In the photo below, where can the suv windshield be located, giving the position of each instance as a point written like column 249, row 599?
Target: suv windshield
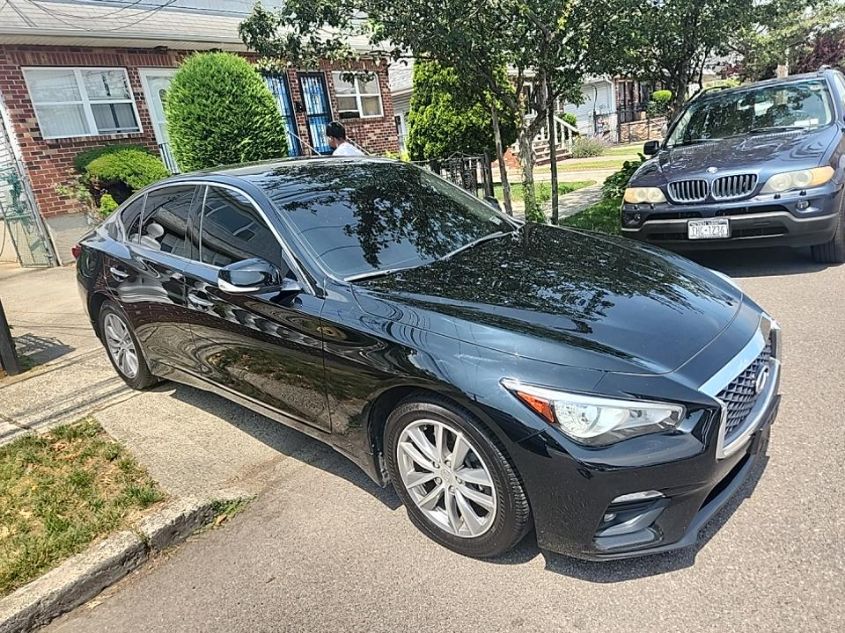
column 781, row 107
column 365, row 218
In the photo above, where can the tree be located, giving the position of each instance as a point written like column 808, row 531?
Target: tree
column 550, row 41
column 671, row 40
column 446, row 118
column 219, row 111
column 804, row 38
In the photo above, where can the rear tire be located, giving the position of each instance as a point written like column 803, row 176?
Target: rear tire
column 471, row 499
column 832, row 252
column 122, row 347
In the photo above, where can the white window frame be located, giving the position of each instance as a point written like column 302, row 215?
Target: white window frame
column 84, row 101
column 337, row 76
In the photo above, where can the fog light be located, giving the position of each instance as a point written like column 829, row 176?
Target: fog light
column 802, row 205
column 638, row 496
column 607, row 518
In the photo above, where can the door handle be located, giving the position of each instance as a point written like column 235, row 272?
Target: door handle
column 118, row 274
column 199, row 301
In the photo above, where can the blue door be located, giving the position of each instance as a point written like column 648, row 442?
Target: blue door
column 280, row 88
column 318, row 112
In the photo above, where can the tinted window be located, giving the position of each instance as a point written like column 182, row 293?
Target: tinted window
column 130, row 218
column 232, row 230
column 799, row 105
column 363, row 217
column 165, row 220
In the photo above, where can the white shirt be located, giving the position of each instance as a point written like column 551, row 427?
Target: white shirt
column 347, row 149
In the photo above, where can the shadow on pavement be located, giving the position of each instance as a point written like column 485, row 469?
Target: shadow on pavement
column 288, row 442
column 759, row 262
column 37, row 350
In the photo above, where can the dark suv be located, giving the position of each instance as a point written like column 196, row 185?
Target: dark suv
column 758, row 165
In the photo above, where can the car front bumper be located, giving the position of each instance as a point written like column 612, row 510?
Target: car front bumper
column 764, row 220
column 572, row 493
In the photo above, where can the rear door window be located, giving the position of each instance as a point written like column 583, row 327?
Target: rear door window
column 234, row 230
column 130, row 219
column 164, row 224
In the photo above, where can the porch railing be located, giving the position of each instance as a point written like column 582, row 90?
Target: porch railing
column 565, row 134
column 472, row 173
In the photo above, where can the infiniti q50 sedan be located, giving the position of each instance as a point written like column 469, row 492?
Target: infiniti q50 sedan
column 500, row 375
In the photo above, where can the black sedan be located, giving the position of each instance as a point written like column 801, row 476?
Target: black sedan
column 501, row 375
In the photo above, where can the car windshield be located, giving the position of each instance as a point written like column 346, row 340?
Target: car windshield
column 362, row 218
column 777, row 108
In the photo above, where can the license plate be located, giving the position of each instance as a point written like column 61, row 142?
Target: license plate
column 710, row 229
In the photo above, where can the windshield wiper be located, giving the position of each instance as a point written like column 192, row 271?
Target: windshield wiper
column 692, row 141
column 492, row 236
column 776, row 128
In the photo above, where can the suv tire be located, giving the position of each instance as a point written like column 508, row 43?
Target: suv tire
column 832, row 252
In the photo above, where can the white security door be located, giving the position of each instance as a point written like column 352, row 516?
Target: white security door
column 156, row 81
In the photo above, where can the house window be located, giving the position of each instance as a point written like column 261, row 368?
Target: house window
column 82, row 101
column 358, row 95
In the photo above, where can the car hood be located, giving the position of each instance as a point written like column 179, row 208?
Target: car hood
column 563, row 296
column 770, row 152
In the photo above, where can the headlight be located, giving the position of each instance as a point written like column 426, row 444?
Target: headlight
column 642, row 195
column 802, row 179
column 594, row 420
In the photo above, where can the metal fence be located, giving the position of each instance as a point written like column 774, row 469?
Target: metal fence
column 472, row 173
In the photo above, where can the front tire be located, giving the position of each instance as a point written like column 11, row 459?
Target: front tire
column 832, row 252
column 455, row 481
column 123, row 348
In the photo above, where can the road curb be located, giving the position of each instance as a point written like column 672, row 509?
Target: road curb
column 83, row 576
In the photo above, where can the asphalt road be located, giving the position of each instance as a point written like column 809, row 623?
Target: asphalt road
column 322, row 549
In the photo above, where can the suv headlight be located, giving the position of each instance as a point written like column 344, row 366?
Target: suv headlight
column 801, row 179
column 643, row 195
column 594, row 420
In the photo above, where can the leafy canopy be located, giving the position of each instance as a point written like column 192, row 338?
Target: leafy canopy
column 219, row 111
column 445, row 118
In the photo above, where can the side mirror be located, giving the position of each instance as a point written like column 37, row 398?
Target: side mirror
column 651, row 148
column 494, row 201
column 253, row 275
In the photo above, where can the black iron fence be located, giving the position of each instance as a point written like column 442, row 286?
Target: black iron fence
column 473, row 173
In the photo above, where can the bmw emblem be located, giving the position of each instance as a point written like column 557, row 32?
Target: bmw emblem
column 712, row 170
column 762, row 379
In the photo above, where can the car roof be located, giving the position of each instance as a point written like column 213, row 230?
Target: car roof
column 260, row 167
column 778, row 81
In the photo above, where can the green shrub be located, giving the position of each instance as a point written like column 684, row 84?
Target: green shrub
column 587, row 146
column 659, row 103
column 570, row 118
column 107, row 204
column 614, row 187
column 133, row 167
column 219, row 111
column 603, row 216
column 446, row 118
column 80, row 162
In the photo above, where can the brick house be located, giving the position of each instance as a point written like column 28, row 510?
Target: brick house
column 77, row 75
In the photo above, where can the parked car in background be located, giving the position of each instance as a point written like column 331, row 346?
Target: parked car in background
column 501, row 375
column 758, row 165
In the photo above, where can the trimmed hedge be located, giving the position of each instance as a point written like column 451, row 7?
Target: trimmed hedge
column 134, row 168
column 81, row 160
column 219, row 111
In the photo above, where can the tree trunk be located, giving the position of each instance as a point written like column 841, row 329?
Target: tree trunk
column 500, row 157
column 526, row 161
column 553, row 163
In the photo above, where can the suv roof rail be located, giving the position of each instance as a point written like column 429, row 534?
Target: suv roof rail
column 824, row 67
column 702, row 91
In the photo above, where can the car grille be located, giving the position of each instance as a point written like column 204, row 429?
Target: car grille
column 732, row 187
column 689, row 190
column 740, row 396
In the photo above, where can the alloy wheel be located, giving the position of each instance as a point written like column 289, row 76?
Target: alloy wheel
column 120, row 345
column 446, row 477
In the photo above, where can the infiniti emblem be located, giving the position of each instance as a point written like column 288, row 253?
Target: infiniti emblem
column 762, row 379
column 712, row 170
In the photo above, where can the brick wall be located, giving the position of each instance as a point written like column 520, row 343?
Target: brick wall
column 644, row 130
column 50, row 162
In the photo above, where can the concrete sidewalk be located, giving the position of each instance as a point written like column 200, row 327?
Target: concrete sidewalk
column 191, row 442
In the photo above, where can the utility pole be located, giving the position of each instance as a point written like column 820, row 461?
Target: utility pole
column 8, row 355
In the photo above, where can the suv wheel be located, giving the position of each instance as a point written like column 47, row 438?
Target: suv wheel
column 832, row 252
column 455, row 481
column 123, row 349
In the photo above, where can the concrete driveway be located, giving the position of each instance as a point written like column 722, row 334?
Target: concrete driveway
column 323, row 549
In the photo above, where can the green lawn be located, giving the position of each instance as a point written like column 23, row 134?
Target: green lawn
column 543, row 189
column 602, row 216
column 61, row 491
column 624, row 150
column 587, row 165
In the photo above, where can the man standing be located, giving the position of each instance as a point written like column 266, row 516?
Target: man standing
column 337, row 141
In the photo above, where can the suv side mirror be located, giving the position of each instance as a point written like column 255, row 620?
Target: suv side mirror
column 254, row 275
column 651, row 148
column 493, row 200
